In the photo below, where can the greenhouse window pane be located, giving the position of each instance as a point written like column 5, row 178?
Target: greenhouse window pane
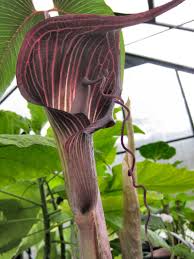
column 178, row 15
column 187, row 81
column 184, row 152
column 16, row 103
column 173, row 46
column 189, row 25
column 127, row 6
column 158, row 107
column 140, row 31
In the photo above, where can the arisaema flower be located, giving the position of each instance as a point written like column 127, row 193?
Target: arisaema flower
column 71, row 65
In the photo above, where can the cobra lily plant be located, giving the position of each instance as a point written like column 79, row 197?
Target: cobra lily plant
column 71, row 65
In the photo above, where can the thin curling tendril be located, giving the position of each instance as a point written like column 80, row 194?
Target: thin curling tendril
column 119, row 100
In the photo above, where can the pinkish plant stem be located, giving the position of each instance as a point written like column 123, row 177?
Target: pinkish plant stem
column 85, row 201
column 94, row 243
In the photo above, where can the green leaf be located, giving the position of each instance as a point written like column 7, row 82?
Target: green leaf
column 40, row 253
column 50, row 133
column 12, row 123
column 154, row 238
column 35, row 235
column 137, row 130
column 60, row 190
column 24, row 141
column 64, row 207
column 60, row 217
column 27, row 157
column 115, row 111
column 19, row 214
column 177, row 163
column 182, row 251
column 116, row 247
column 182, row 197
column 188, row 213
column 158, row 150
column 122, row 55
column 152, row 197
column 16, row 18
column 104, row 147
column 114, row 220
column 164, row 178
column 115, row 181
column 9, row 254
column 156, row 223
column 38, row 117
column 113, row 201
column 83, row 6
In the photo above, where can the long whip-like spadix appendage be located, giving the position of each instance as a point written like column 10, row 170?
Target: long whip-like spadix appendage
column 58, row 58
column 119, row 100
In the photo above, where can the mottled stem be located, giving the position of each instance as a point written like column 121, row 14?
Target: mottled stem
column 129, row 235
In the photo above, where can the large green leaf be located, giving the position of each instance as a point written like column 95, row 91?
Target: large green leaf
column 18, row 214
column 26, row 157
column 25, row 141
column 164, row 177
column 104, row 142
column 104, row 147
column 38, row 117
column 158, row 150
column 35, row 235
column 16, row 18
column 154, row 238
column 12, row 123
column 113, row 202
column 83, row 6
column 183, row 251
column 9, row 254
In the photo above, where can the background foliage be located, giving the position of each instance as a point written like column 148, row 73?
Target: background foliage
column 25, row 158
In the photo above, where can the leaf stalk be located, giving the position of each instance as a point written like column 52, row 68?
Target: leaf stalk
column 60, row 227
column 47, row 236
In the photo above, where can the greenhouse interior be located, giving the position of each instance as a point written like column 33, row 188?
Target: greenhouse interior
column 96, row 129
